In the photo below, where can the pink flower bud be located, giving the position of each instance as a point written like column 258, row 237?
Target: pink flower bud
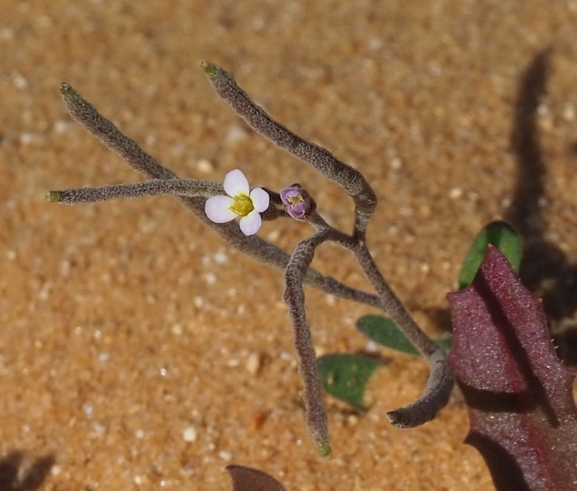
column 298, row 202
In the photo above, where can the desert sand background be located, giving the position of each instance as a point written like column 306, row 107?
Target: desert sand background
column 138, row 351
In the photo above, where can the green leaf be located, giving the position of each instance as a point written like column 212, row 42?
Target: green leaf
column 500, row 234
column 345, row 376
column 384, row 331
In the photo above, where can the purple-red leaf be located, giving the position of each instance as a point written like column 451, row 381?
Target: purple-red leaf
column 247, row 479
column 519, row 395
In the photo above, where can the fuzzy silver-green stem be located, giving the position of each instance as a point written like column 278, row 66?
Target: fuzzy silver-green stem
column 441, row 378
column 155, row 187
column 86, row 114
column 100, row 127
column 351, row 180
column 316, row 414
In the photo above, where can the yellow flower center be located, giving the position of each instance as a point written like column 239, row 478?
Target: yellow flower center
column 242, row 205
column 293, row 200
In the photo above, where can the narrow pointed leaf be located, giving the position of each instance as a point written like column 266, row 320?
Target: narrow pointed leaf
column 519, row 395
column 385, row 332
column 500, row 234
column 247, row 479
column 345, row 376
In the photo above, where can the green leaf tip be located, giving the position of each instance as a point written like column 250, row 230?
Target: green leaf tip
column 210, row 69
column 325, row 451
column 67, row 92
column 499, row 234
column 52, row 196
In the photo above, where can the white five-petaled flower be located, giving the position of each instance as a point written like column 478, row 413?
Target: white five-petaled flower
column 241, row 201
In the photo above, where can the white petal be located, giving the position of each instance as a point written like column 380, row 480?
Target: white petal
column 235, row 183
column 250, row 223
column 218, row 210
column 260, row 199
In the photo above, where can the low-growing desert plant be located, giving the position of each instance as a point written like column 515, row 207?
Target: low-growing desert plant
column 519, row 395
column 218, row 204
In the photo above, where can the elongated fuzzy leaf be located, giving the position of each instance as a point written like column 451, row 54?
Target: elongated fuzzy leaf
column 384, row 331
column 247, row 479
column 500, row 234
column 518, row 393
column 345, row 376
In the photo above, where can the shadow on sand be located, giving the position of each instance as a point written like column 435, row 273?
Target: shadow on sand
column 16, row 474
column 545, row 269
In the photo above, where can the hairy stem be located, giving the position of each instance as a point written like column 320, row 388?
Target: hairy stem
column 351, row 180
column 294, row 297
column 441, row 378
column 155, row 187
column 260, row 250
column 100, row 127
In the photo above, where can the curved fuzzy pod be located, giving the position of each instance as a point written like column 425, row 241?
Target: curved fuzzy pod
column 518, row 393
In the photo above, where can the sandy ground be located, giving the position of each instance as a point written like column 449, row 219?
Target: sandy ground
column 137, row 350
